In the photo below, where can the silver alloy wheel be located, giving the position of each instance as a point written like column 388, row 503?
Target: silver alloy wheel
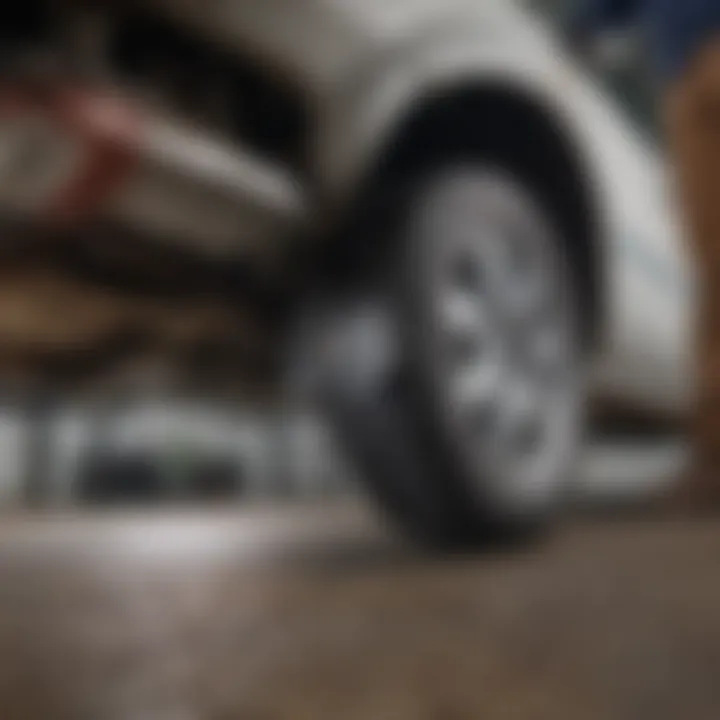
column 504, row 326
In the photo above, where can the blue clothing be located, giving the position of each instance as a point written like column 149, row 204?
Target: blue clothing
column 677, row 28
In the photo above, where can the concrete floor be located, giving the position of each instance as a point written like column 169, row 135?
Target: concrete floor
column 318, row 613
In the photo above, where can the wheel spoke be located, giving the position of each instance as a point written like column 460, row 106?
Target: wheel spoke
column 519, row 419
column 477, row 383
column 546, row 351
column 462, row 313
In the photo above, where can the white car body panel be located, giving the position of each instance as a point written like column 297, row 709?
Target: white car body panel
column 363, row 63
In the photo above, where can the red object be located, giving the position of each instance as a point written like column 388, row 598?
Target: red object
column 106, row 126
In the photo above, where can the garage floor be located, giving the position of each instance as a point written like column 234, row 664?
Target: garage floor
column 317, row 613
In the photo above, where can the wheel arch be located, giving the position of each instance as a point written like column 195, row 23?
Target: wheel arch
column 495, row 121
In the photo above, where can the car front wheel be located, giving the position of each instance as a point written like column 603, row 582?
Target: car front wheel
column 454, row 378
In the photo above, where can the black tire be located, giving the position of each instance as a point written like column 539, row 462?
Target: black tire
column 385, row 376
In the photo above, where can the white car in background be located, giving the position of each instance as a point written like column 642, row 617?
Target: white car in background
column 491, row 239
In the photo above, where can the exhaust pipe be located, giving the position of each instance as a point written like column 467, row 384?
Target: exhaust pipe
column 70, row 156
